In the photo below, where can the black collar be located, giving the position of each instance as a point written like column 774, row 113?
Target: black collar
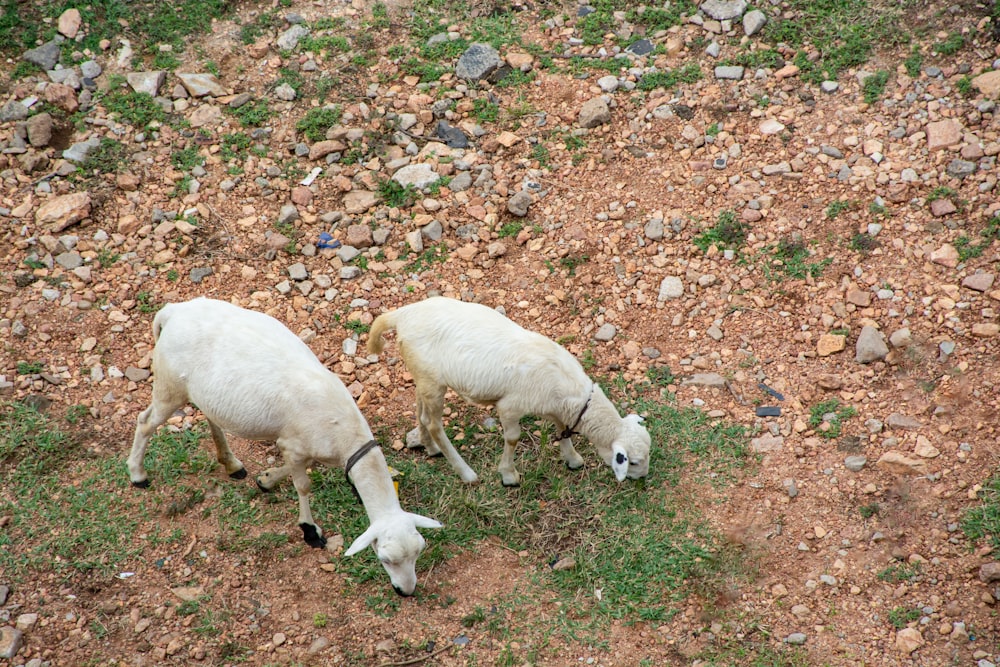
column 569, row 431
column 354, row 458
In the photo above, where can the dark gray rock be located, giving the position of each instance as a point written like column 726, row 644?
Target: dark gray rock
column 960, row 168
column 519, row 203
column 721, row 10
column 729, row 72
column 453, row 136
column 478, row 62
column 870, row 346
column 199, row 273
column 641, row 47
column 13, row 110
column 45, row 56
column 79, row 151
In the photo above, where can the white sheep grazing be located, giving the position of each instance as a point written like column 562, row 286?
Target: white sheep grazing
column 252, row 377
column 488, row 359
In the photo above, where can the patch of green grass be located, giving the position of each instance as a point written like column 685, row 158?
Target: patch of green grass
column 983, row 522
column 941, row 192
column 900, row 617
column 844, row 32
column 727, row 232
column 964, row 86
column 145, row 302
column 396, row 195
column 540, row 152
column 571, row 262
column 356, row 326
column 166, row 60
column 790, row 257
column 769, row 58
column 317, row 121
column 868, row 511
column 186, row 159
column 898, row 573
column 252, row 114
column 234, row 146
column 595, row 25
column 510, row 229
column 661, row 376
column 831, row 413
column 863, row 243
column 873, row 86
column 516, row 78
column 30, row 367
column 139, row 110
column 664, row 18
column 426, row 71
column 324, row 43
column 436, row 254
column 24, row 69
column 110, row 157
column 967, row 249
column 107, row 257
column 950, row 45
column 913, row 63
column 713, row 130
column 835, row 208
column 689, row 73
column 251, row 32
column 59, row 500
column 240, row 512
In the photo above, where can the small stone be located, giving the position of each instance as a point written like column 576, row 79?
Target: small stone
column 901, row 338
column 897, row 420
column 753, row 22
column 796, row 638
column 199, row 273
column 729, row 72
column 829, row 344
column 767, row 443
column 519, row 203
column 705, row 380
column 723, row 10
column 942, row 207
column 870, row 346
column 909, row 640
column 10, row 642
column 478, row 62
column 943, row 134
column 608, row 84
column 925, row 449
column 989, row 572
column 980, row 282
column 593, row 113
column 605, row 333
column 985, row 329
column 855, row 463
column 771, row 126
column 900, row 464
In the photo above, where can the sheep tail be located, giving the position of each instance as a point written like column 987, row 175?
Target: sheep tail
column 159, row 321
column 382, row 323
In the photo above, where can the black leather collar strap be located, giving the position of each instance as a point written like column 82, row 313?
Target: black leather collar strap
column 571, row 430
column 355, row 457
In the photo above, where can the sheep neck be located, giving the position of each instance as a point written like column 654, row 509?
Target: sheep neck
column 570, row 430
column 373, row 484
column 600, row 423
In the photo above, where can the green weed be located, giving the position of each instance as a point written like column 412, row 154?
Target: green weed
column 727, row 232
column 510, row 229
column 873, row 86
column 186, row 159
column 317, row 121
column 913, row 63
column 689, row 73
column 900, row 617
column 831, row 413
column 837, row 207
column 139, row 110
column 895, row 574
column 951, row 45
column 397, row 195
column 252, row 114
column 984, row 521
column 30, row 367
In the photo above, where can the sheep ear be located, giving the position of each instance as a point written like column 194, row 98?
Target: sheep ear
column 363, row 541
column 619, row 461
column 424, row 522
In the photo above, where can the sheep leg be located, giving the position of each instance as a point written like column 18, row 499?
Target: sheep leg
column 267, row 480
column 146, row 423
column 431, row 404
column 570, row 456
column 511, row 434
column 311, row 533
column 225, row 455
column 419, row 437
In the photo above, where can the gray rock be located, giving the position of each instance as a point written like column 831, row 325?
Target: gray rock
column 13, row 110
column 201, row 84
column 654, row 229
column 349, row 272
column 901, row 337
column 870, row 346
column 960, row 168
column 45, row 56
column 831, row 151
column 713, row 50
column 729, row 72
column 796, row 638
column 722, row 10
column 135, row 374
column 453, row 136
column 855, row 463
column 980, row 282
column 753, row 22
column 605, row 333
column 418, row 175
column 829, row 86
column 146, row 82
column 4, row 593
column 347, row 253
column 199, row 273
column 671, row 287
column 904, row 422
column 640, row 47
column 433, row 231
column 69, row 260
column 289, row 39
column 478, row 62
column 298, row 271
column 288, row 214
column 461, row 182
column 608, row 84
column 10, row 642
column 90, row 69
column 767, row 443
column 79, row 151
column 594, row 112
column 519, row 203
column 67, row 77
column 285, row 92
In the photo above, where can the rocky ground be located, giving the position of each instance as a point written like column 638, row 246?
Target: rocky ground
column 747, row 227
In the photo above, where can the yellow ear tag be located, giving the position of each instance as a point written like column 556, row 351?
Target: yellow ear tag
column 395, row 482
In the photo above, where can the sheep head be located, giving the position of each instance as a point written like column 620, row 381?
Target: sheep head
column 630, row 450
column 397, row 544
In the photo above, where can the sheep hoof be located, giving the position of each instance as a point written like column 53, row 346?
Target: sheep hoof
column 141, row 484
column 239, row 474
column 311, row 535
column 264, row 488
column 512, row 485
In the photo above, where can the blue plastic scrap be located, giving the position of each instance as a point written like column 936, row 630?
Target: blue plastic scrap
column 326, row 240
